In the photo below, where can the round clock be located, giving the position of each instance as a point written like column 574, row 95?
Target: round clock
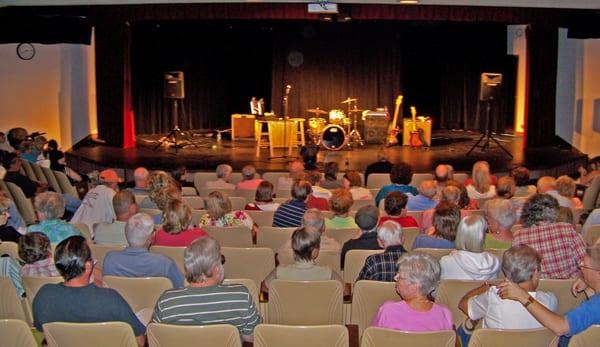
column 25, row 51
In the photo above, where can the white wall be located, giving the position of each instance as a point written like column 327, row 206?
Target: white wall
column 578, row 93
column 54, row 92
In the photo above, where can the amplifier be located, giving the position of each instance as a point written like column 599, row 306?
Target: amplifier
column 424, row 124
column 242, row 126
column 375, row 126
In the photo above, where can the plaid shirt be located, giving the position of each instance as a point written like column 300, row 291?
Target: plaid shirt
column 382, row 266
column 560, row 247
column 41, row 268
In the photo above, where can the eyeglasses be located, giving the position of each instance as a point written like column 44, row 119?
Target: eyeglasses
column 580, row 266
column 222, row 259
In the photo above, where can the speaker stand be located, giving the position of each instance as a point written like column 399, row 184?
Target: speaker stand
column 487, row 135
column 171, row 138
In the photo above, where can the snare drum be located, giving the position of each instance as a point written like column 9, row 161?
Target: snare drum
column 336, row 117
column 316, row 125
column 333, row 137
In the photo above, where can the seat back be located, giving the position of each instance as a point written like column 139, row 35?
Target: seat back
column 84, row 230
column 28, row 170
column 239, row 236
column 283, row 193
column 378, row 180
column 587, row 338
column 39, row 173
column 449, row 293
column 188, row 191
column 562, row 290
column 367, row 297
column 139, row 292
column 200, row 179
column 9, row 248
column 357, row 204
column 252, row 263
column 23, row 204
column 4, row 188
column 10, row 305
column 248, row 194
column 354, row 262
column 417, row 215
column 273, row 237
column 115, row 334
column 417, row 178
column 166, row 335
column 410, row 235
column 99, row 251
column 590, row 196
column 33, row 284
column 592, row 235
column 52, row 181
column 16, row 333
column 237, row 203
column 204, row 191
column 437, row 253
column 305, row 302
column 194, row 202
column 342, row 235
column 262, row 218
column 151, row 211
column 373, row 337
column 110, row 233
column 140, row 197
column 328, row 258
column 197, row 216
column 175, row 253
column 526, row 337
column 65, row 184
column 271, row 335
column 273, row 177
column 248, row 283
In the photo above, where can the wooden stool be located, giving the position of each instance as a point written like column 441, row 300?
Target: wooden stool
column 260, row 135
column 299, row 124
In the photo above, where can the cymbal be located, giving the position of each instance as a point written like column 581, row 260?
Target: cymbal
column 356, row 110
column 316, row 111
column 348, row 101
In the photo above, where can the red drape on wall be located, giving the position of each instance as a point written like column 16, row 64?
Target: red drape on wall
column 128, row 116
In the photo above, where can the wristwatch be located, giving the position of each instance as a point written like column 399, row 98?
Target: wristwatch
column 530, row 300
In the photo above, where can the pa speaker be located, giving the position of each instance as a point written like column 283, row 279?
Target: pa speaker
column 174, row 88
column 489, row 86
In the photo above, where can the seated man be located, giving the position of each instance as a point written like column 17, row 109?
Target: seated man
column 114, row 233
column 289, row 214
column 96, row 206
column 382, row 266
column 366, row 218
column 76, row 300
column 424, row 200
column 135, row 260
column 140, row 178
column 400, row 176
column 206, row 300
column 547, row 185
column 50, row 207
column 12, row 164
column 223, row 176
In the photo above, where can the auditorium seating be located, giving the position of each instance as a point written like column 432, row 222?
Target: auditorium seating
column 272, row 335
column 262, row 218
column 193, row 201
column 175, row 253
column 16, row 333
column 367, row 297
column 139, row 292
column 360, row 203
column 167, row 335
column 99, row 251
column 11, row 306
column 562, row 290
column 437, row 253
column 246, row 282
column 354, row 262
column 410, row 235
column 65, row 184
column 9, row 248
column 188, row 191
column 375, row 337
column 24, row 205
column 115, row 334
column 501, row 338
column 52, row 181
column 326, row 258
column 84, row 230
column 587, row 338
column 33, row 284
column 252, row 263
column 238, row 236
column 449, row 293
column 342, row 235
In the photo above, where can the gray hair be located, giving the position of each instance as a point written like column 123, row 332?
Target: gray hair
column 200, row 258
column 428, row 188
column 470, row 235
column 421, row 269
column 501, row 211
column 139, row 229
column 223, row 170
column 539, row 208
column 313, row 219
column 520, row 262
column 390, row 233
column 51, row 204
column 140, row 174
column 248, row 172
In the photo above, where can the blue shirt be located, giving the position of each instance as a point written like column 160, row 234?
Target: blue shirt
column 15, row 220
column 289, row 214
column 426, row 241
column 56, row 229
column 385, row 190
column 584, row 315
column 138, row 262
column 420, row 203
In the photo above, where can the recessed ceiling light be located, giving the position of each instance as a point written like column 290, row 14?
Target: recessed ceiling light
column 409, row 2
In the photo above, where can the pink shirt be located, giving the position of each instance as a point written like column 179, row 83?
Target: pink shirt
column 182, row 239
column 250, row 184
column 398, row 315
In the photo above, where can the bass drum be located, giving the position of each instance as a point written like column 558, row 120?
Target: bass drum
column 333, row 137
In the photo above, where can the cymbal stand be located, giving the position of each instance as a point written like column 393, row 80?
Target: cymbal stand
column 355, row 134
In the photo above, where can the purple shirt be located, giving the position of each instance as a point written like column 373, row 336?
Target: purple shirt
column 398, row 315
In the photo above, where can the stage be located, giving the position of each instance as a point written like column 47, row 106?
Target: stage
column 447, row 147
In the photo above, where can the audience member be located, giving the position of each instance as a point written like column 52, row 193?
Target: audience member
column 36, row 253
column 500, row 218
column 50, row 207
column 125, row 207
column 565, row 215
column 577, row 319
column 263, row 199
column 522, row 179
column 248, row 181
column 206, row 300
column 366, row 219
column 400, row 176
column 353, row 182
column 469, row 261
column 547, row 185
column 425, row 199
column 177, row 230
column 12, row 164
column 330, row 181
column 7, row 232
column 445, row 222
column 58, row 162
column 382, row 266
column 140, row 179
column 561, row 248
column 135, row 260
column 4, row 145
column 220, row 213
column 382, row 165
column 313, row 220
column 223, row 172
column 417, row 277
column 14, row 217
column 521, row 265
column 464, row 201
column 395, row 209
column 162, row 188
column 481, row 186
column 182, row 176
column 96, row 206
column 296, row 172
column 319, row 198
column 566, row 187
column 340, row 203
column 587, row 174
column 592, row 219
column 76, row 300
column 442, row 174
column 289, row 214
column 450, row 194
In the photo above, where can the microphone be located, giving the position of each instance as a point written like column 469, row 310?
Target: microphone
column 288, row 88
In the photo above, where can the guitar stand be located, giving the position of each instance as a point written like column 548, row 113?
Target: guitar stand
column 487, row 135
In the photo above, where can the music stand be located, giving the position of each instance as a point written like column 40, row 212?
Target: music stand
column 488, row 92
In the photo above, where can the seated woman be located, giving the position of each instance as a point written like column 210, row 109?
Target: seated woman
column 566, row 187
column 330, row 172
column 522, row 179
column 501, row 217
column 469, row 261
column 220, row 213
column 353, row 182
column 417, row 277
column 161, row 189
column 445, row 222
column 177, row 230
column 521, row 265
column 450, row 194
column 305, row 245
column 481, row 186
column 248, row 181
column 263, row 200
column 35, row 251
column 395, row 208
column 340, row 203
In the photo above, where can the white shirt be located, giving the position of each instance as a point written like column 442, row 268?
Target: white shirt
column 500, row 313
column 562, row 201
column 360, row 193
column 474, row 194
column 96, row 207
column 464, row 265
column 320, row 192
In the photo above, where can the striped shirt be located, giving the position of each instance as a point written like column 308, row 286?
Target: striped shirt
column 220, row 304
column 289, row 214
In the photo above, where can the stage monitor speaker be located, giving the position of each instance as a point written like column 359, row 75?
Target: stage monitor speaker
column 174, row 88
column 489, row 86
column 425, row 129
column 375, row 129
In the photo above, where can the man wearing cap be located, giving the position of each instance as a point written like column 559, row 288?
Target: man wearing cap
column 366, row 218
column 96, row 206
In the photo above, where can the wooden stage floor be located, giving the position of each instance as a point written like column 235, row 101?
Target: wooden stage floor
column 448, row 147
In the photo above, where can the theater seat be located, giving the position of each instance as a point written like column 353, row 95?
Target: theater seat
column 450, row 292
column 367, row 298
column 378, row 337
column 114, row 334
column 253, row 263
column 502, row 338
column 271, row 335
column 139, row 292
column 16, row 333
column 167, row 335
column 238, row 236
column 587, row 338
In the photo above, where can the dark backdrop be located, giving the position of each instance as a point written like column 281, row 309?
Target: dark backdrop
column 436, row 66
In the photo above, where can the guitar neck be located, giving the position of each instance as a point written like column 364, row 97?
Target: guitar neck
column 396, row 111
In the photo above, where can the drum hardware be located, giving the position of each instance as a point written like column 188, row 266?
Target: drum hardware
column 348, row 101
column 316, row 110
column 334, row 137
column 353, row 135
column 336, row 117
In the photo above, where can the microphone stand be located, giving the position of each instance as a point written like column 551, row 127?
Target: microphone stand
column 287, row 146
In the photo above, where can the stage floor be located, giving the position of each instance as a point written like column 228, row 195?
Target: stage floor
column 448, row 147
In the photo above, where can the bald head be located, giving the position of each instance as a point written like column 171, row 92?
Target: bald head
column 443, row 173
column 140, row 176
column 295, row 167
column 545, row 184
column 428, row 188
column 313, row 219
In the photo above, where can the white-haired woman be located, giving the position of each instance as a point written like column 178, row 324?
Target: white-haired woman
column 220, row 213
column 469, row 261
column 481, row 185
column 418, row 275
column 248, row 179
column 501, row 217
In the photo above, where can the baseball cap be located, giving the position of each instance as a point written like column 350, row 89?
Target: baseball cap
column 367, row 217
column 109, row 175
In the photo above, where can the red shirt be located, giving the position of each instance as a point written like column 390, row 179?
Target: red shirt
column 182, row 239
column 319, row 203
column 405, row 222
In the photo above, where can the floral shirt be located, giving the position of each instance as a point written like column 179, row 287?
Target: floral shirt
column 231, row 219
column 41, row 268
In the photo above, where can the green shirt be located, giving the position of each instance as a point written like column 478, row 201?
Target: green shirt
column 491, row 242
column 341, row 223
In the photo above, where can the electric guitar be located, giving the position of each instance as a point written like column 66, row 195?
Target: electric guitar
column 415, row 137
column 392, row 138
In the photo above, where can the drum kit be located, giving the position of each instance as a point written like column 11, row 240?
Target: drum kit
column 341, row 131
